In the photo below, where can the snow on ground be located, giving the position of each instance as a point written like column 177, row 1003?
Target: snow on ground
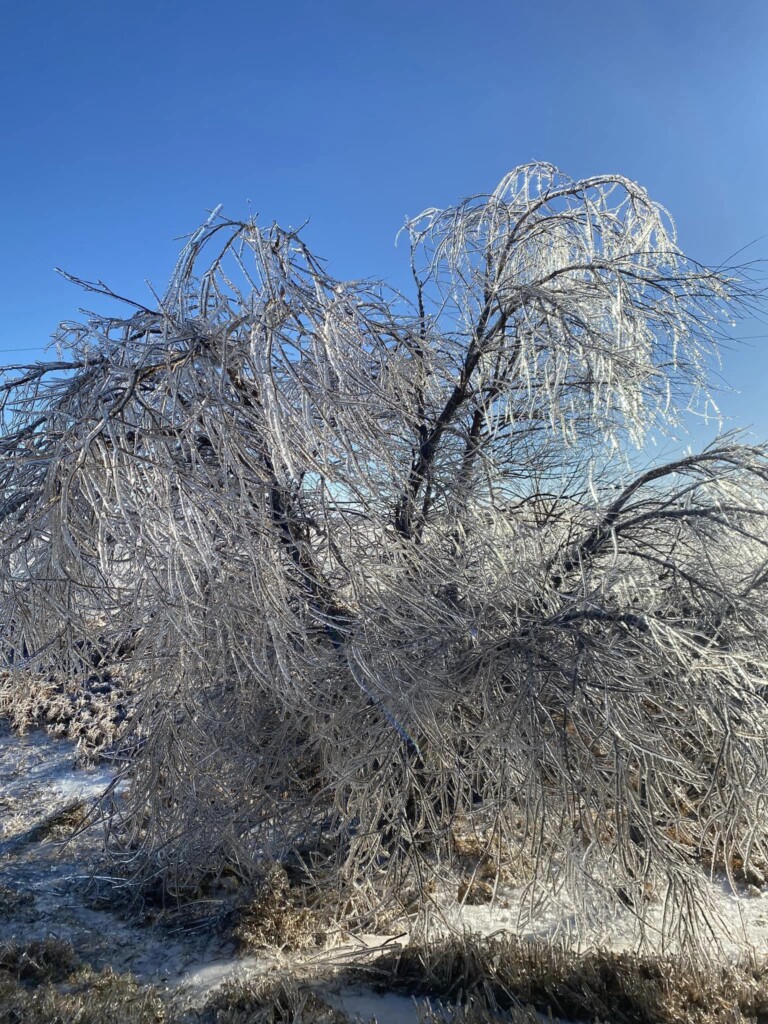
column 384, row 1007
column 39, row 777
column 739, row 922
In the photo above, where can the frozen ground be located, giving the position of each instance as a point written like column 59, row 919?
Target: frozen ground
column 39, row 778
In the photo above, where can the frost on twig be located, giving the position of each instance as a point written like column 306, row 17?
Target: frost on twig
column 384, row 566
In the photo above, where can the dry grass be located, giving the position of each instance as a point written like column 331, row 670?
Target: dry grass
column 44, row 982
column 475, row 1013
column 57, row 826
column 104, row 998
column 93, row 713
column 468, row 982
column 45, row 960
column 61, row 824
column 268, row 1001
column 276, row 918
column 507, row 973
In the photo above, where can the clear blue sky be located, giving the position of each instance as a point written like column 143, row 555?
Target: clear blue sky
column 124, row 122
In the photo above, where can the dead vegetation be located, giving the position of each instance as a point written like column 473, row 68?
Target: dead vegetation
column 45, row 982
column 48, row 959
column 268, row 1001
column 497, row 975
column 87, row 998
column 93, row 711
column 429, row 1012
column 467, row 981
column 276, row 919
column 508, row 980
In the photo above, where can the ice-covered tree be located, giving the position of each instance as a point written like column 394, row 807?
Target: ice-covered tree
column 386, row 569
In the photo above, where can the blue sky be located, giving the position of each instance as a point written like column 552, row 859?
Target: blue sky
column 123, row 123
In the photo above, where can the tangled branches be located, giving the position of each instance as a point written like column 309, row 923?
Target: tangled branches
column 384, row 569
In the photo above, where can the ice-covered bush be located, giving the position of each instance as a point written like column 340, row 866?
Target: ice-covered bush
column 390, row 568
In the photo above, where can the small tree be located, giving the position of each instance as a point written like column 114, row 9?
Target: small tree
column 384, row 570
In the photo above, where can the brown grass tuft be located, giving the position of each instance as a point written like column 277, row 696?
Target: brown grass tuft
column 48, row 959
column 276, row 918
column 94, row 712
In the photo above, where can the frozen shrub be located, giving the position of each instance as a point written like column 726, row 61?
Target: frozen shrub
column 389, row 570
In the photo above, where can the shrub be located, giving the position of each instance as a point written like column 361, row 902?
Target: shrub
column 388, row 572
